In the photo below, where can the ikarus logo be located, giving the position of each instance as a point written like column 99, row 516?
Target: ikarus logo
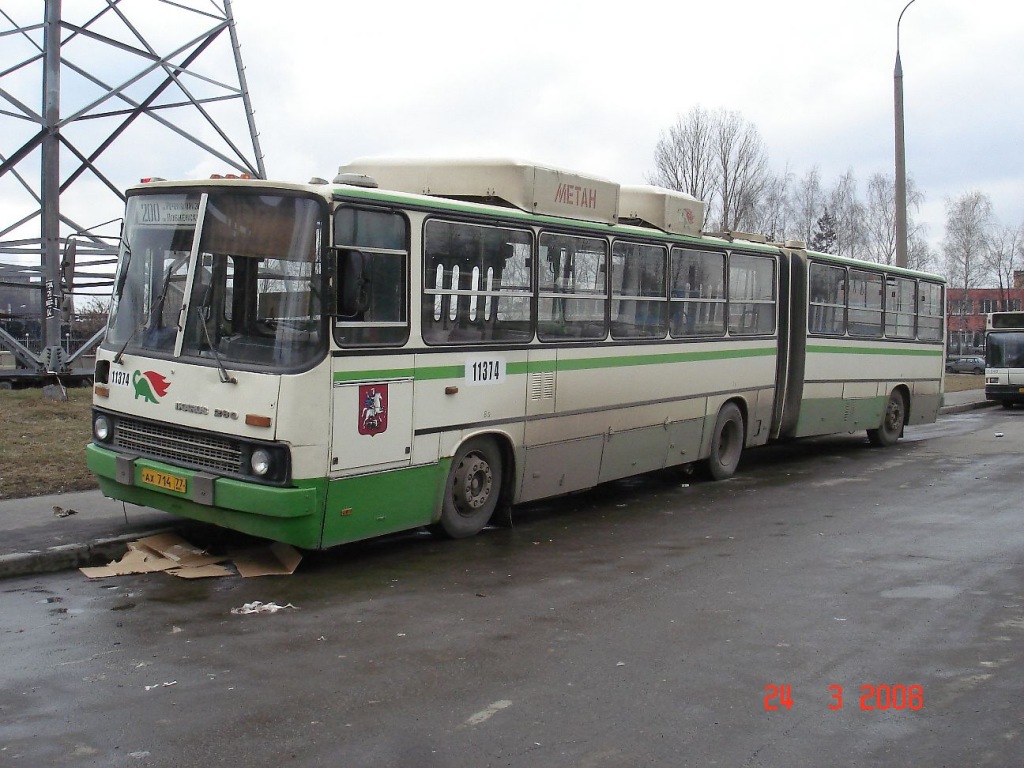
column 149, row 385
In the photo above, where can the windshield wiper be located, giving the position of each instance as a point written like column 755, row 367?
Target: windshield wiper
column 204, row 309
column 156, row 313
column 119, row 288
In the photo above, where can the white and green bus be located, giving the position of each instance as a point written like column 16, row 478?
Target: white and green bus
column 423, row 343
column 1004, row 358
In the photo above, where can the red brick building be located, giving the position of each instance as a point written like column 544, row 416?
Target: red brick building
column 965, row 315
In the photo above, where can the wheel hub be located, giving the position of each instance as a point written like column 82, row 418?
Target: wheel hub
column 473, row 484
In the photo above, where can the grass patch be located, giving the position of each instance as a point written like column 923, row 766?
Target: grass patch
column 960, row 382
column 42, row 443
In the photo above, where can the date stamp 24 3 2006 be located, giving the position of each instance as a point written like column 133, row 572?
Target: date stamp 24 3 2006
column 873, row 698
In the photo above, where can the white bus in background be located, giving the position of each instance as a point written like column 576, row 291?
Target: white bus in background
column 1004, row 358
column 420, row 343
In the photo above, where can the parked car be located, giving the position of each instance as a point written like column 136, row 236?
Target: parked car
column 966, row 365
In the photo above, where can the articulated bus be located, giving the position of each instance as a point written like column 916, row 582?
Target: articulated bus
column 1004, row 358
column 422, row 343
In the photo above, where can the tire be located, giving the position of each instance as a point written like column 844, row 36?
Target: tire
column 726, row 443
column 1007, row 404
column 471, row 490
column 893, row 420
column 979, row 370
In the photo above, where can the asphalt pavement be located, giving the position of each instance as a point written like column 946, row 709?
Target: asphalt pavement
column 70, row 530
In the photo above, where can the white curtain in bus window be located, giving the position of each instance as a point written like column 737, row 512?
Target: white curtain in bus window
column 930, row 312
column 477, row 284
column 865, row 303
column 638, row 291
column 373, row 260
column 572, row 273
column 751, row 295
column 899, row 307
column 696, row 293
column 827, row 300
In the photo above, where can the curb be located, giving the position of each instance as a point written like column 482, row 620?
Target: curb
column 69, row 556
column 946, row 410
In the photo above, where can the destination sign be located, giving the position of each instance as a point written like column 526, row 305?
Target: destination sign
column 162, row 212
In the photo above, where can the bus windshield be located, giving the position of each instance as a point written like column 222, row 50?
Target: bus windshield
column 1005, row 349
column 227, row 277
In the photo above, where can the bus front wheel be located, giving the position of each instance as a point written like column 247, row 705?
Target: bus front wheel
column 471, row 490
column 726, row 443
column 893, row 419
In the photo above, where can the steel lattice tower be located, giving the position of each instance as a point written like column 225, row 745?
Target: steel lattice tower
column 91, row 98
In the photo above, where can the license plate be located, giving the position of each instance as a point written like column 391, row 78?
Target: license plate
column 163, row 480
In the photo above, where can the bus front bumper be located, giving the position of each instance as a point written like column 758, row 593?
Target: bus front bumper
column 1004, row 393
column 290, row 515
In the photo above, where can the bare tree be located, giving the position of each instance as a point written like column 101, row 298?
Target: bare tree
column 1003, row 256
column 742, row 170
column 968, row 220
column 880, row 220
column 880, row 224
column 717, row 157
column 919, row 252
column 808, row 205
column 774, row 209
column 683, row 158
column 848, row 215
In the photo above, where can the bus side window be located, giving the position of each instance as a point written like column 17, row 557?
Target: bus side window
column 477, row 283
column 372, row 277
column 827, row 299
column 573, row 287
column 751, row 295
column 696, row 293
column 638, row 291
column 865, row 303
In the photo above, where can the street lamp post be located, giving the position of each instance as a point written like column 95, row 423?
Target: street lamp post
column 901, row 156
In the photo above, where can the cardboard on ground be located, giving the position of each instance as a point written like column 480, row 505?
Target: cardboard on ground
column 173, row 554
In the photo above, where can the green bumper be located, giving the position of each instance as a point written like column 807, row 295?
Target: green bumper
column 292, row 515
column 313, row 514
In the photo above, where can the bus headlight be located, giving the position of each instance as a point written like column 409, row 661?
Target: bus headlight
column 260, row 462
column 102, row 429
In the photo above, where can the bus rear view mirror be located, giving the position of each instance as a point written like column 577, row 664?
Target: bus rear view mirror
column 354, row 273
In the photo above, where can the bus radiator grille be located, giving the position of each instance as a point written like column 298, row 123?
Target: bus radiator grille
column 179, row 446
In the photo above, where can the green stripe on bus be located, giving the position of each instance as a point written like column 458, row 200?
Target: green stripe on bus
column 394, row 373
column 517, row 369
column 441, row 372
column 675, row 357
column 836, row 350
column 547, row 366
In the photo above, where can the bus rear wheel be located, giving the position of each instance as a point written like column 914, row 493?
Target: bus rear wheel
column 472, row 489
column 893, row 419
column 726, row 443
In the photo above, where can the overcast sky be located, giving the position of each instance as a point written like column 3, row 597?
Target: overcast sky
column 591, row 86
column 568, row 84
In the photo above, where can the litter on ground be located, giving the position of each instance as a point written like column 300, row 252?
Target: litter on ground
column 171, row 553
